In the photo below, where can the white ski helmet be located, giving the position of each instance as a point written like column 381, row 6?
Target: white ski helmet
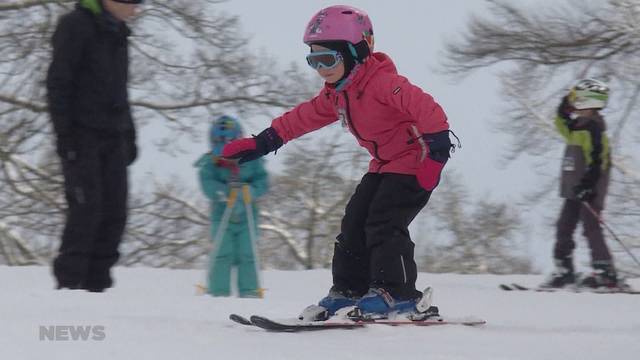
column 589, row 94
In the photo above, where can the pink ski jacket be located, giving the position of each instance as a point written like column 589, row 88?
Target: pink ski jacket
column 382, row 109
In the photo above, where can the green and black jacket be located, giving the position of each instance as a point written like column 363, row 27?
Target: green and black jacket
column 587, row 157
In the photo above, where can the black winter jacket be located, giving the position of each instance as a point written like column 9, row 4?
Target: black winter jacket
column 87, row 78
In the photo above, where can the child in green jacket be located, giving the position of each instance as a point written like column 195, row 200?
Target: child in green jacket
column 232, row 189
column 584, row 183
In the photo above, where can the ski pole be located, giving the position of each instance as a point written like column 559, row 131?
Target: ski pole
column 224, row 222
column 597, row 216
column 246, row 196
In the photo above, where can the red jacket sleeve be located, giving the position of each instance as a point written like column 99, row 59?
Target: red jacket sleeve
column 398, row 92
column 306, row 117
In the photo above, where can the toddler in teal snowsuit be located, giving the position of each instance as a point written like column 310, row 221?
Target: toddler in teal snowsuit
column 234, row 245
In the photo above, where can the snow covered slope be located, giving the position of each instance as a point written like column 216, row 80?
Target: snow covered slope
column 156, row 314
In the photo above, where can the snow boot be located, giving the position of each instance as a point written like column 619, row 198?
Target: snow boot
column 562, row 276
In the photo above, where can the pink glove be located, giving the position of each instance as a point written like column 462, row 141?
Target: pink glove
column 439, row 145
column 429, row 174
column 240, row 149
column 248, row 149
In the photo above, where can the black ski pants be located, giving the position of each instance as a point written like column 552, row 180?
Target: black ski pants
column 96, row 193
column 374, row 248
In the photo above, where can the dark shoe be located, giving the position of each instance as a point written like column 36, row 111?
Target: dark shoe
column 95, row 289
column 252, row 294
column 562, row 276
column 98, row 281
column 68, row 287
column 603, row 276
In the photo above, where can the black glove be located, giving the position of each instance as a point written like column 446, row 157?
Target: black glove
column 584, row 193
column 130, row 147
column 66, row 147
column 248, row 149
column 565, row 109
column 439, row 145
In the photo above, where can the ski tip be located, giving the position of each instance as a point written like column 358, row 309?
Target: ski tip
column 200, row 289
column 474, row 322
column 271, row 325
column 513, row 287
column 260, row 292
column 519, row 287
column 465, row 321
column 263, row 322
column 240, row 319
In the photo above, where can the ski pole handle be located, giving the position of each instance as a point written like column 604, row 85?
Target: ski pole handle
column 593, row 212
column 246, row 194
column 233, row 195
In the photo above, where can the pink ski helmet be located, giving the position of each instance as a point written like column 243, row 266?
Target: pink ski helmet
column 340, row 23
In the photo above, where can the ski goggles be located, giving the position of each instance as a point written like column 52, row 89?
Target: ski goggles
column 595, row 87
column 324, row 59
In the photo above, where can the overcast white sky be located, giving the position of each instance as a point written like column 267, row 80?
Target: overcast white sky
column 413, row 34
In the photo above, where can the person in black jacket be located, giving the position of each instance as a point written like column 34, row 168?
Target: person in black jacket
column 96, row 139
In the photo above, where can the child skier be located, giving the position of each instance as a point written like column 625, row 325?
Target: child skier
column 233, row 229
column 406, row 133
column 585, row 177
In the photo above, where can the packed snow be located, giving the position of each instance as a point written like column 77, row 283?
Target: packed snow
column 158, row 314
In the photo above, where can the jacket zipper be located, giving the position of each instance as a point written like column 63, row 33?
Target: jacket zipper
column 376, row 155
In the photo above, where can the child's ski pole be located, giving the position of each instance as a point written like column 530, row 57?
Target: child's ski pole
column 246, row 196
column 597, row 216
column 222, row 227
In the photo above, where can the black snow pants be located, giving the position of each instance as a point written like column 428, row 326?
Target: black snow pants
column 374, row 248
column 96, row 193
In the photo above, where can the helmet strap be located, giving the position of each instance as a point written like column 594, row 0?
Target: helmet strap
column 362, row 51
column 354, row 53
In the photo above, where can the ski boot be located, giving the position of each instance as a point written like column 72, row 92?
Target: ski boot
column 328, row 305
column 562, row 276
column 603, row 276
column 379, row 304
column 254, row 294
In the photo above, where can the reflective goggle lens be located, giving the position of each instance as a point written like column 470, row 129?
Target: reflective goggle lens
column 325, row 59
column 592, row 87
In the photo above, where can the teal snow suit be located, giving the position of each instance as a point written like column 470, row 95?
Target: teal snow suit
column 234, row 247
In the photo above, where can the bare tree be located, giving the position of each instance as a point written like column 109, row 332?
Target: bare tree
column 189, row 62
column 545, row 49
column 302, row 212
column 168, row 228
column 479, row 238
